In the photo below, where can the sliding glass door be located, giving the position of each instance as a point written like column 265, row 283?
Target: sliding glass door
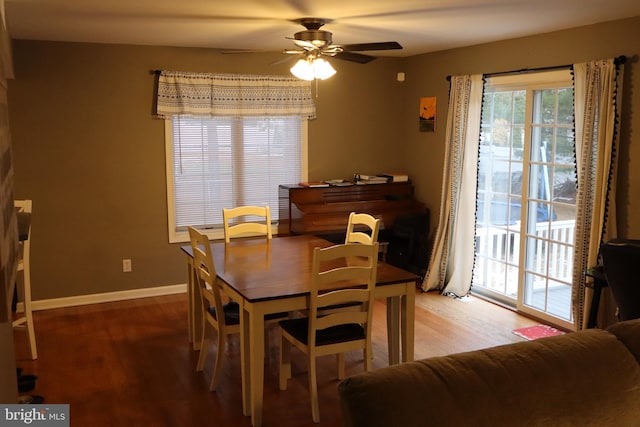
column 526, row 195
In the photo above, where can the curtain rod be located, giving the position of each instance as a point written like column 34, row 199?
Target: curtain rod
column 618, row 60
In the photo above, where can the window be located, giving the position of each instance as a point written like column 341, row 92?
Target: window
column 217, row 162
column 526, row 205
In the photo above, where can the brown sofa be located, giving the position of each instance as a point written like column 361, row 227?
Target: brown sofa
column 588, row 378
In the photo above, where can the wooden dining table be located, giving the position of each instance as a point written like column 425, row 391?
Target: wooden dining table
column 273, row 276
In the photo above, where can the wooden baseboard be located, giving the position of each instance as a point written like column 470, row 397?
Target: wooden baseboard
column 48, row 304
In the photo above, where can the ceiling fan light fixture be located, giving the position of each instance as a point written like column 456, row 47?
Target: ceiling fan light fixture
column 302, row 70
column 312, row 68
column 322, row 69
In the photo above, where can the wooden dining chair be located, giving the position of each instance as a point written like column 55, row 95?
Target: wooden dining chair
column 223, row 318
column 25, row 320
column 256, row 222
column 354, row 227
column 341, row 274
column 355, row 234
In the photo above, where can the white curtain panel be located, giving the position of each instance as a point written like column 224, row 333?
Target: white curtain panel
column 451, row 264
column 595, row 85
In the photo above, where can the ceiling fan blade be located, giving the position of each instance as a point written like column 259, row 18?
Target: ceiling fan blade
column 304, row 44
column 358, row 47
column 354, row 57
column 234, row 51
column 284, row 60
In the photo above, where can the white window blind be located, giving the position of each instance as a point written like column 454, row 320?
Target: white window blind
column 221, row 162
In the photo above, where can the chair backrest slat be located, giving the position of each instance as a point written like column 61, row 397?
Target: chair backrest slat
column 357, row 221
column 249, row 228
column 341, row 318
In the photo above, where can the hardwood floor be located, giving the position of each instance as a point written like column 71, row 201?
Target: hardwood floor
column 129, row 363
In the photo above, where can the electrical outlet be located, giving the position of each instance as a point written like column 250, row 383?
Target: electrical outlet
column 126, row 266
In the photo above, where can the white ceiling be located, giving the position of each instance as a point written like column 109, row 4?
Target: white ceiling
column 420, row 26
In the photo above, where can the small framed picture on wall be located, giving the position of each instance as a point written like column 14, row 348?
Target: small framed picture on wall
column 428, row 114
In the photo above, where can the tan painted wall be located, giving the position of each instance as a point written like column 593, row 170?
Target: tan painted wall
column 91, row 156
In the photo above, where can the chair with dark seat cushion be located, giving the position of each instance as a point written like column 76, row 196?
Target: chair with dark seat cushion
column 25, row 320
column 251, row 222
column 211, row 294
column 341, row 274
column 231, row 313
column 621, row 258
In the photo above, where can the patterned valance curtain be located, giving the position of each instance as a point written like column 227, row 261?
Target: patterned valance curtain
column 205, row 94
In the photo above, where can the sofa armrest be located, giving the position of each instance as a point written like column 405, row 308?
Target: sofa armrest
column 629, row 333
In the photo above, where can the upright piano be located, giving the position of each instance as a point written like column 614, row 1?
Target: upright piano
column 325, row 210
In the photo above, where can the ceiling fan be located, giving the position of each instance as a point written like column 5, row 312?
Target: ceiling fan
column 316, row 42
